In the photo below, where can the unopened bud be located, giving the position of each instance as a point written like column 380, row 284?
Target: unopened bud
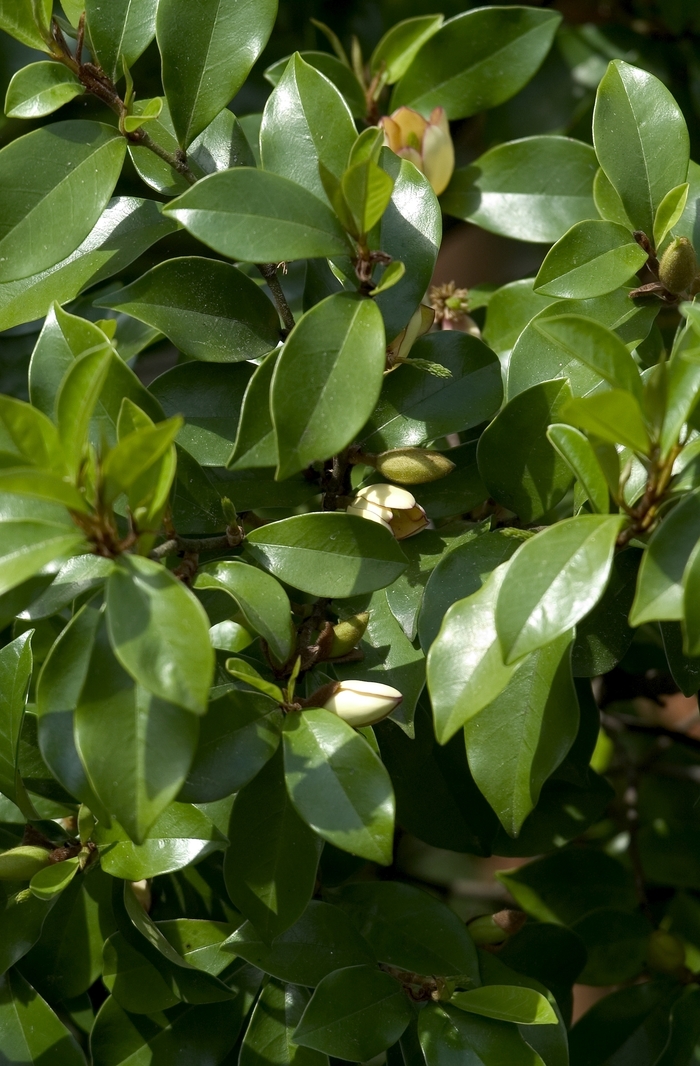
column 361, row 703
column 20, row 864
column 142, row 891
column 229, row 511
column 678, row 266
column 348, row 634
column 494, row 929
column 413, row 466
column 665, row 952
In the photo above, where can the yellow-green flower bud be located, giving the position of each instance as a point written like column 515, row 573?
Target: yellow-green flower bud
column 361, row 703
column 413, row 466
column 495, row 929
column 348, row 634
column 20, row 864
column 665, row 952
column 678, row 266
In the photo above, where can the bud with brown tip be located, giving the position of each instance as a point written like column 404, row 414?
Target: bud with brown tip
column 491, row 930
column 678, row 266
column 348, row 634
column 413, row 466
column 20, row 864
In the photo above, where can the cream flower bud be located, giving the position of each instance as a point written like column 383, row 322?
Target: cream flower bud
column 20, row 864
column 425, row 142
column 362, row 703
column 394, row 507
column 387, row 496
column 419, row 324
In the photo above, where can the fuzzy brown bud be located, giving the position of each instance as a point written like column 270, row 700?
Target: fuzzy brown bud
column 413, row 466
column 348, row 634
column 678, row 266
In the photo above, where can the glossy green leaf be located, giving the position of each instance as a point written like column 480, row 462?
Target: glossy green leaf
column 132, row 978
column 355, row 1014
column 270, row 865
column 534, row 479
column 199, row 942
column 553, row 580
column 465, row 667
column 254, row 215
column 77, row 399
column 207, row 55
column 237, row 736
column 52, row 880
column 120, row 32
column 29, row 1029
column 306, row 122
column 595, row 345
column 327, row 380
column 669, row 212
column 534, row 189
column 269, row 1036
column 338, row 785
column 33, row 533
column 641, row 140
column 328, row 554
column 337, row 72
column 21, row 921
column 410, row 929
column 40, row 89
column 591, row 259
column 142, row 465
column 255, row 443
column 159, row 633
column 28, row 22
column 136, row 748
column 399, row 46
column 31, row 435
column 508, row 1003
column 126, row 228
column 415, row 407
column 244, row 671
column 477, row 60
column 209, row 310
column 323, row 940
column 181, row 835
column 367, row 190
column 539, row 710
column 613, row 416
column 449, row 1036
column 78, row 163
column 577, row 451
column 660, row 584
column 28, row 481
column 15, row 673
column 391, row 276
column 263, row 601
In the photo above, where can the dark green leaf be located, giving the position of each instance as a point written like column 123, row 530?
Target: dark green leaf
column 119, row 32
column 21, row 920
column 399, row 46
column 40, row 89
column 631, row 1022
column 342, row 77
column 263, row 601
column 135, row 982
column 255, row 443
column 616, row 942
column 659, row 586
column 181, row 835
column 595, row 345
column 15, row 673
column 268, row 1039
column 603, row 636
column 450, row 1036
column 29, row 1029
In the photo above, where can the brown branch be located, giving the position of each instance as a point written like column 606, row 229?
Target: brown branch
column 177, row 545
column 269, row 272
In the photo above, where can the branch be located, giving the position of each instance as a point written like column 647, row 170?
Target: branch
column 620, row 723
column 269, row 272
column 177, row 545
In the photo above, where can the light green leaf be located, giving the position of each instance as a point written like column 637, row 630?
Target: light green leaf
column 272, row 1024
column 208, row 309
column 595, row 345
column 263, row 601
column 257, row 216
column 138, row 454
column 338, row 785
column 15, row 673
column 245, row 671
column 613, row 415
column 449, row 1036
column 355, row 1014
column 682, row 381
column 327, row 380
column 660, row 582
column 28, row 481
column 148, row 113
column 328, row 554
column 534, row 189
column 270, row 865
column 306, row 122
column 577, row 451
column 33, row 533
column 509, row 1003
column 466, row 670
column 553, row 581
column 399, row 46
column 39, row 89
column 70, row 164
column 77, row 399
column 52, row 880
column 641, row 140
column 592, row 259
column 391, row 276
column 136, row 748
column 28, row 21
column 160, row 632
column 367, row 190
column 669, row 211
column 29, row 1029
column 120, row 31
column 180, row 836
column 477, row 60
column 208, row 51
column 30, row 433
column 538, row 711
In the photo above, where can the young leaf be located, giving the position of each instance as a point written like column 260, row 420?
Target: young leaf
column 120, row 31
column 52, row 880
column 327, row 380
column 77, row 398
column 40, row 89
column 263, row 601
column 270, row 866
column 400, row 45
column 591, row 259
column 338, row 785
column 524, row 1006
column 258, row 216
column 159, row 633
column 74, row 167
column 595, row 345
column 34, row 533
column 577, row 451
column 613, row 416
column 355, row 1014
column 553, row 581
column 477, row 60
column 669, row 211
column 641, row 140
column 367, row 190
column 244, row 671
column 207, row 54
column 449, row 1035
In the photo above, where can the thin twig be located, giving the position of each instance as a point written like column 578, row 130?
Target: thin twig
column 177, row 545
column 269, row 272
